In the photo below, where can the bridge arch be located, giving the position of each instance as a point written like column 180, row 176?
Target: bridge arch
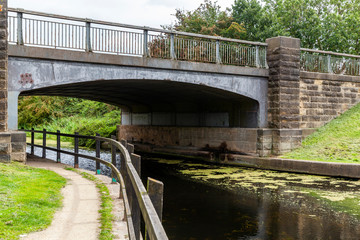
column 168, row 103
column 148, row 92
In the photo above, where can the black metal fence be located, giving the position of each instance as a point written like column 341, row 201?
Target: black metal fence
column 138, row 200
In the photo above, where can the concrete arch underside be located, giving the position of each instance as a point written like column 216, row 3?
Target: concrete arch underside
column 149, row 96
column 164, row 103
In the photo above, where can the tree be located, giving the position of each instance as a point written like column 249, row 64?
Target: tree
column 208, row 19
column 251, row 15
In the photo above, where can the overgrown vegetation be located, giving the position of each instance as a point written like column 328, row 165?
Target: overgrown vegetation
column 337, row 141
column 106, row 217
column 69, row 115
column 320, row 24
column 29, row 198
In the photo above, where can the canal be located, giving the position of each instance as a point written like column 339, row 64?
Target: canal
column 213, row 202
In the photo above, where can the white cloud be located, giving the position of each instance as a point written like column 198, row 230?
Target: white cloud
column 151, row 13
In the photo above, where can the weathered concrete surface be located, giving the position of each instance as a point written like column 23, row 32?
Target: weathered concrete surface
column 231, row 139
column 300, row 166
column 140, row 85
column 122, row 60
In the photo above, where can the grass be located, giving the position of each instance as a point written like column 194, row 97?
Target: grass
column 106, row 206
column 337, row 141
column 29, row 198
column 50, row 142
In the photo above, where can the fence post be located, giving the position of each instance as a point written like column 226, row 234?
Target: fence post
column 257, row 57
column 44, row 144
column 329, row 64
column 134, row 204
column 32, row 141
column 146, row 49
column 113, row 159
column 20, row 40
column 58, row 146
column 98, row 171
column 88, row 37
column 76, row 150
column 172, row 46
column 218, row 58
column 155, row 191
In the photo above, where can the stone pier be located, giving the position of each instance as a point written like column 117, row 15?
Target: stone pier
column 12, row 143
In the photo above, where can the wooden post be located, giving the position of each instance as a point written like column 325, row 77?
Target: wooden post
column 98, row 171
column 113, row 159
column 130, row 148
column 134, row 204
column 44, row 144
column 76, row 150
column 58, row 146
column 122, row 166
column 155, row 190
column 32, row 141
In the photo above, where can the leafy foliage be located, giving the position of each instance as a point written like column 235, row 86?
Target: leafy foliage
column 319, row 24
column 69, row 115
column 322, row 24
column 208, row 19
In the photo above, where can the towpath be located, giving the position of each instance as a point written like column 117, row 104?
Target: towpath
column 79, row 217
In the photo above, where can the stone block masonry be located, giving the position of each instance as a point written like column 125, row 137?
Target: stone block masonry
column 325, row 96
column 12, row 144
column 283, row 56
column 3, row 67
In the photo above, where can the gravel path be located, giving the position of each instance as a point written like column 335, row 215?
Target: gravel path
column 78, row 218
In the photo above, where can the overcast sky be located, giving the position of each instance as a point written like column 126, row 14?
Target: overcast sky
column 152, row 13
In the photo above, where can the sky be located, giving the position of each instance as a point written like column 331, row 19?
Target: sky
column 151, row 13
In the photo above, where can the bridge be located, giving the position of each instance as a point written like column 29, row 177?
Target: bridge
column 181, row 89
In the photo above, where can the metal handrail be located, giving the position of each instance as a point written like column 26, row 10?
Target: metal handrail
column 313, row 60
column 110, row 37
column 114, row 24
column 329, row 53
column 153, row 224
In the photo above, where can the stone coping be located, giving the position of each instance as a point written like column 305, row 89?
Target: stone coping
column 333, row 169
column 329, row 76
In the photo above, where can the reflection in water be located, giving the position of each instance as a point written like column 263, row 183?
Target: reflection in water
column 217, row 202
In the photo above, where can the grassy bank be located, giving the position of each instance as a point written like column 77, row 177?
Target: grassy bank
column 68, row 115
column 29, row 198
column 337, row 141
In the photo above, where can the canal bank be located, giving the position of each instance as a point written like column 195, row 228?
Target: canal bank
column 212, row 201
column 334, row 169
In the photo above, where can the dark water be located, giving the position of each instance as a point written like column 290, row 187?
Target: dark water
column 216, row 202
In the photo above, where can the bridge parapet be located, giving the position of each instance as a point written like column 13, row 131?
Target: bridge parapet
column 56, row 31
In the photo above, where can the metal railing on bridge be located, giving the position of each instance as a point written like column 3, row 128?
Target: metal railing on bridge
column 135, row 196
column 63, row 32
column 329, row 62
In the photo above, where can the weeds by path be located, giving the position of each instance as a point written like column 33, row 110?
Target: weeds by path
column 106, row 207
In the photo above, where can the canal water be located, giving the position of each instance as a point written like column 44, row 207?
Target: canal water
column 217, row 202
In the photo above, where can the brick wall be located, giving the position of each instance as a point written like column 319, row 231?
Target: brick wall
column 325, row 96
